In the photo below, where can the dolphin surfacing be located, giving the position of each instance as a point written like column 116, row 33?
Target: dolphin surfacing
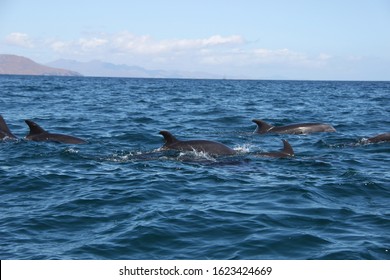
column 300, row 128
column 210, row 147
column 37, row 133
column 5, row 132
column 384, row 137
column 286, row 151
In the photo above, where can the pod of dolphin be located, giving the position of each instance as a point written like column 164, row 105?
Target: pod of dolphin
column 210, row 147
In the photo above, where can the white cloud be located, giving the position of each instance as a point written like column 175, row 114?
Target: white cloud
column 59, row 46
column 19, row 39
column 212, row 41
column 214, row 53
column 260, row 56
column 324, row 56
column 79, row 47
column 87, row 44
column 277, row 56
column 147, row 45
column 135, row 48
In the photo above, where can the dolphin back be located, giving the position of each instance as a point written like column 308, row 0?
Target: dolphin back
column 262, row 126
column 299, row 128
column 61, row 138
column 168, row 137
column 35, row 129
column 210, row 147
column 37, row 133
column 285, row 152
column 385, row 137
column 4, row 130
column 287, row 149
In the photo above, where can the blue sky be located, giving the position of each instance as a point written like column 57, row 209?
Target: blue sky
column 337, row 40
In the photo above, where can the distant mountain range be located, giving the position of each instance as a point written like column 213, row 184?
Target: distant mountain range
column 97, row 68
column 19, row 65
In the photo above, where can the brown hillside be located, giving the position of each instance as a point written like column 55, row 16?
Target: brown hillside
column 19, row 65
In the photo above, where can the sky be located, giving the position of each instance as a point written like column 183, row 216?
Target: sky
column 255, row 39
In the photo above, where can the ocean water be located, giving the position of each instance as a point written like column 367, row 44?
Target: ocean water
column 121, row 197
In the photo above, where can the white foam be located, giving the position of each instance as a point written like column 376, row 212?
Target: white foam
column 245, row 148
column 71, row 150
column 196, row 155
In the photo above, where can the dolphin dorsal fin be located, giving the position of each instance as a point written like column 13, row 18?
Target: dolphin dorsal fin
column 262, row 126
column 287, row 149
column 34, row 128
column 3, row 125
column 169, row 138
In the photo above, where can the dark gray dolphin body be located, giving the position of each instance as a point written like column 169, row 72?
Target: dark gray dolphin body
column 301, row 128
column 5, row 133
column 210, row 147
column 287, row 151
column 384, row 137
column 39, row 134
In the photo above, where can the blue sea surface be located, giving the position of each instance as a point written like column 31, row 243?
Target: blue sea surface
column 121, row 197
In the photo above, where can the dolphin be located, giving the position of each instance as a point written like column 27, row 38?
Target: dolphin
column 210, row 147
column 287, row 151
column 5, row 133
column 384, row 137
column 37, row 133
column 300, row 128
